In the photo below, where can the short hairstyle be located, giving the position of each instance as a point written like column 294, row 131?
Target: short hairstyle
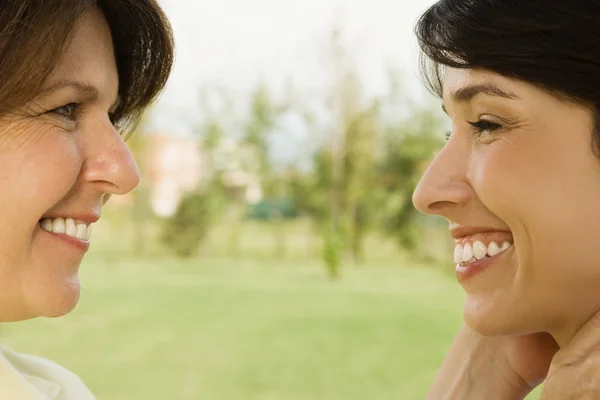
column 553, row 45
column 34, row 35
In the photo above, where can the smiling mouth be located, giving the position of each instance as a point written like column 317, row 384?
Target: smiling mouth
column 469, row 253
column 67, row 226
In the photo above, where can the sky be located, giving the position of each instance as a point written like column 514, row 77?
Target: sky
column 236, row 43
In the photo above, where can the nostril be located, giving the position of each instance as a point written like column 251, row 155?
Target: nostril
column 439, row 206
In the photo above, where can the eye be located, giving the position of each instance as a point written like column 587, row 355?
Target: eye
column 484, row 126
column 69, row 111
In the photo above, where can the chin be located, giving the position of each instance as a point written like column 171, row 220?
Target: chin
column 56, row 301
column 489, row 319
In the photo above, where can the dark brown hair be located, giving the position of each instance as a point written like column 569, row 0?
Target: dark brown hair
column 34, row 35
column 553, row 45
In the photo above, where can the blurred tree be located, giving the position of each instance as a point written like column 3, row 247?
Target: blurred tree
column 142, row 210
column 261, row 123
column 369, row 154
column 365, row 176
column 346, row 168
column 362, row 139
column 261, row 120
column 184, row 232
column 408, row 147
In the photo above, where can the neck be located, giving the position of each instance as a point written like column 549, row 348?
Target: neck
column 569, row 330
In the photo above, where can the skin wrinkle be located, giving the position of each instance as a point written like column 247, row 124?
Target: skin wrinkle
column 18, row 133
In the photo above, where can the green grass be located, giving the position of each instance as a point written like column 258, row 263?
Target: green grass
column 216, row 329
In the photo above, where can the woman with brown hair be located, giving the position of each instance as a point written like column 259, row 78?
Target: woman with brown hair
column 75, row 75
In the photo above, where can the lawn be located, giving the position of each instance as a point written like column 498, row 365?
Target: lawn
column 218, row 329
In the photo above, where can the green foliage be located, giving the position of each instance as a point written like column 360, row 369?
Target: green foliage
column 185, row 231
column 263, row 116
column 142, row 209
column 360, row 172
column 332, row 253
column 408, row 147
column 317, row 188
column 213, row 135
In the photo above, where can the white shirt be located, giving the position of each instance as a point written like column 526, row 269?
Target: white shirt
column 27, row 377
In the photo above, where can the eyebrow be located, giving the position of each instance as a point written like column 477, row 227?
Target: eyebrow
column 90, row 92
column 467, row 93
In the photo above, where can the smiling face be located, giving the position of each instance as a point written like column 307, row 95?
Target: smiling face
column 60, row 156
column 519, row 167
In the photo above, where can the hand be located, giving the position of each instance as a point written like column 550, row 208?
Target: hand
column 575, row 369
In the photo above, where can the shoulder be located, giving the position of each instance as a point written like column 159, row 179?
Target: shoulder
column 43, row 374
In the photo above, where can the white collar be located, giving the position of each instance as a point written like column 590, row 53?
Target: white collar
column 16, row 385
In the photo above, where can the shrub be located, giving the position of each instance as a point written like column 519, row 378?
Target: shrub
column 184, row 232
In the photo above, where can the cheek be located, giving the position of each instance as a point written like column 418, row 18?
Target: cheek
column 517, row 183
column 62, row 170
column 548, row 198
column 48, row 169
column 504, row 178
column 530, row 182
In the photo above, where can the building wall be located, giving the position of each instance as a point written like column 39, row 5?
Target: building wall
column 174, row 167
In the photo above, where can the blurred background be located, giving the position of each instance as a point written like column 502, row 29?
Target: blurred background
column 271, row 251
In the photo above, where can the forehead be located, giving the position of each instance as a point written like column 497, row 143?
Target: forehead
column 89, row 56
column 456, row 79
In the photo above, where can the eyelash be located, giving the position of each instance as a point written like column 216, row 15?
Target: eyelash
column 480, row 127
column 76, row 108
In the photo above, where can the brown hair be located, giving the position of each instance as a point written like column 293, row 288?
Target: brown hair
column 34, row 35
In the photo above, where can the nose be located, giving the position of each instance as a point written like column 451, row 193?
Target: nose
column 109, row 164
column 444, row 188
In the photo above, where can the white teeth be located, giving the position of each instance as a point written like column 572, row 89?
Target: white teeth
column 70, row 228
column 81, row 232
column 479, row 250
column 59, row 225
column 493, row 249
column 47, row 224
column 458, row 251
column 467, row 252
column 67, row 227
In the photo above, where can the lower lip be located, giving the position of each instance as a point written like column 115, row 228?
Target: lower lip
column 81, row 245
column 465, row 273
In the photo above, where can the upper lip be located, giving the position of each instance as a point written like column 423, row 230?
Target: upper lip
column 459, row 232
column 89, row 218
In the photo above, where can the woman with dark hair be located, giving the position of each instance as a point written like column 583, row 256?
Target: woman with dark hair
column 519, row 183
column 75, row 76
